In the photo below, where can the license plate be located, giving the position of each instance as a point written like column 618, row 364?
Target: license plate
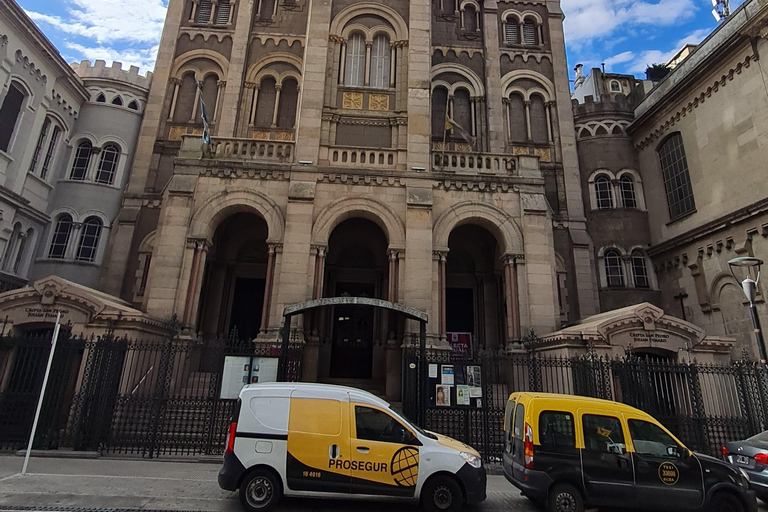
column 741, row 459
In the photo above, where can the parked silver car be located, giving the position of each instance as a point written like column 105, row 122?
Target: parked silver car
column 751, row 455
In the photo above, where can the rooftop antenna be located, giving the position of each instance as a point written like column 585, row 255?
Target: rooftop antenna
column 721, row 9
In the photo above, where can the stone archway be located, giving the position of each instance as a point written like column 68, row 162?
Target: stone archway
column 213, row 211
column 363, row 207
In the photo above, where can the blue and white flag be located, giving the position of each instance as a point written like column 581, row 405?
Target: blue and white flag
column 203, row 115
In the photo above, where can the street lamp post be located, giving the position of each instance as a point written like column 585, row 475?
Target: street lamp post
column 750, row 268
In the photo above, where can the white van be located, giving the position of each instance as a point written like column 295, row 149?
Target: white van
column 316, row 440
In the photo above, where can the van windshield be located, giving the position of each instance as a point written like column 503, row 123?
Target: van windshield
column 414, row 427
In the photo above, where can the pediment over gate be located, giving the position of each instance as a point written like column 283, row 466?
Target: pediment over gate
column 86, row 310
column 641, row 327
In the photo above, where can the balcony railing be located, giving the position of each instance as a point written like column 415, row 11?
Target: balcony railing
column 225, row 148
column 362, row 158
column 453, row 161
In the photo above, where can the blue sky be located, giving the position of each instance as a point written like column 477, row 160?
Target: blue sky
column 627, row 35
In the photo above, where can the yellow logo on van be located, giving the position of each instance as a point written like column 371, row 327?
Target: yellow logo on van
column 668, row 473
column 405, row 466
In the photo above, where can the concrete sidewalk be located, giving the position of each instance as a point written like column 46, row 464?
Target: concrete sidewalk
column 64, row 484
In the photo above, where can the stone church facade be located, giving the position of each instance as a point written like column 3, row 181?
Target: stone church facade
column 331, row 173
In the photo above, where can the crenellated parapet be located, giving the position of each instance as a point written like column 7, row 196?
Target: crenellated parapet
column 99, row 69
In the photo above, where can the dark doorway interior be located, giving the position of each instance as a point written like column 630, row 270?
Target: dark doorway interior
column 459, row 310
column 247, row 304
column 352, row 351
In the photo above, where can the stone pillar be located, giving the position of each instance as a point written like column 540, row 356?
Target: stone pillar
column 220, row 85
column 368, row 45
column 343, row 65
column 528, row 120
column 511, row 297
column 195, row 105
column 541, row 287
column 419, row 81
column 319, row 278
column 278, row 89
column 493, row 91
column 268, row 288
column 176, row 84
column 309, row 126
column 392, row 59
column 548, row 109
column 441, row 257
column 200, row 248
column 236, row 71
column 254, row 103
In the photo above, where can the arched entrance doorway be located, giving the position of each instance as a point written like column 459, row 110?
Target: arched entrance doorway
column 233, row 291
column 356, row 266
column 474, row 287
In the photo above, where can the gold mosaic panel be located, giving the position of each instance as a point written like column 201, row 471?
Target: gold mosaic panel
column 378, row 102
column 176, row 132
column 260, row 135
column 352, row 100
column 285, row 136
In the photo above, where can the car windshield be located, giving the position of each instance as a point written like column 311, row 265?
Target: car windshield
column 415, row 427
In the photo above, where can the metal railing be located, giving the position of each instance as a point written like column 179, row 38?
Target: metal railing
column 238, row 149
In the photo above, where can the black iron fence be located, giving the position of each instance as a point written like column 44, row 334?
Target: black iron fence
column 115, row 395
column 705, row 405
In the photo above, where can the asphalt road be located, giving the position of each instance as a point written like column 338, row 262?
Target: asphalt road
column 67, row 484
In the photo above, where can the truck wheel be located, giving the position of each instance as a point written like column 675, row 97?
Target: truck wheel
column 565, row 498
column 442, row 494
column 260, row 491
column 724, row 502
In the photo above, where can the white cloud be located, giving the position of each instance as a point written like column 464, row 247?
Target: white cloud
column 124, row 30
column 144, row 58
column 620, row 58
column 649, row 57
column 587, row 21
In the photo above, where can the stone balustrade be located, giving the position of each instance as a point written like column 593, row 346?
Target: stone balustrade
column 452, row 161
column 230, row 148
column 362, row 158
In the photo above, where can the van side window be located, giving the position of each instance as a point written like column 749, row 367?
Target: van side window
column 603, row 434
column 508, row 416
column 651, row 441
column 374, row 425
column 519, row 421
column 556, row 430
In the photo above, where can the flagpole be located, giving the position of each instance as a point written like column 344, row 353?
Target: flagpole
column 42, row 392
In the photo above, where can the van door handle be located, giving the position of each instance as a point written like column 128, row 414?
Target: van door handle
column 333, row 452
column 363, row 449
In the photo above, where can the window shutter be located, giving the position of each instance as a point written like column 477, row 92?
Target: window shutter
column 529, row 33
column 512, row 32
column 222, row 13
column 203, row 12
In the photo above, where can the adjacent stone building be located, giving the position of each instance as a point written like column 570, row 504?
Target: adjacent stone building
column 67, row 136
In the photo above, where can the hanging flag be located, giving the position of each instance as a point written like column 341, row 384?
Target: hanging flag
column 203, row 115
column 450, row 124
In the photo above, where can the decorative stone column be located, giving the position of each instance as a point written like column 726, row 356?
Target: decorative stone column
column 200, row 247
column 548, row 109
column 268, row 287
column 368, row 45
column 441, row 257
column 527, row 104
column 511, row 297
column 317, row 287
column 176, row 84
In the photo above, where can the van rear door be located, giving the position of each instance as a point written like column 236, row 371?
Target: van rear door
column 318, row 445
column 509, row 413
column 518, row 443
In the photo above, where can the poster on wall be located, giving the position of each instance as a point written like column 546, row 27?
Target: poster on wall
column 432, row 371
column 235, row 374
column 461, row 345
column 443, row 396
column 475, row 381
column 462, row 395
column 447, row 374
column 267, row 368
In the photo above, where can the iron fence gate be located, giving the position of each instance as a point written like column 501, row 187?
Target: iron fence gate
column 115, row 395
column 704, row 405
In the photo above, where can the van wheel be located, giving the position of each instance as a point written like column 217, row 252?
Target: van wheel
column 565, row 498
column 260, row 491
column 442, row 494
column 724, row 502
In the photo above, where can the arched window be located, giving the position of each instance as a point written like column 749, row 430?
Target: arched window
column 222, row 12
column 530, row 37
column 82, row 161
column 133, row 105
column 639, row 270
column 265, row 104
column 615, row 86
column 203, row 12
column 209, row 94
column 380, row 54
column 89, row 239
column 677, row 181
column 469, row 18
column 117, row 100
column 439, row 102
column 100, row 98
column 604, row 192
column 512, row 30
column 289, row 98
column 49, row 153
column 614, row 271
column 449, row 6
column 9, row 114
column 185, row 101
column 354, row 74
column 518, row 130
column 539, row 132
column 24, row 240
column 627, row 187
column 266, row 9
column 108, row 164
column 462, row 110
column 39, row 145
column 60, row 239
